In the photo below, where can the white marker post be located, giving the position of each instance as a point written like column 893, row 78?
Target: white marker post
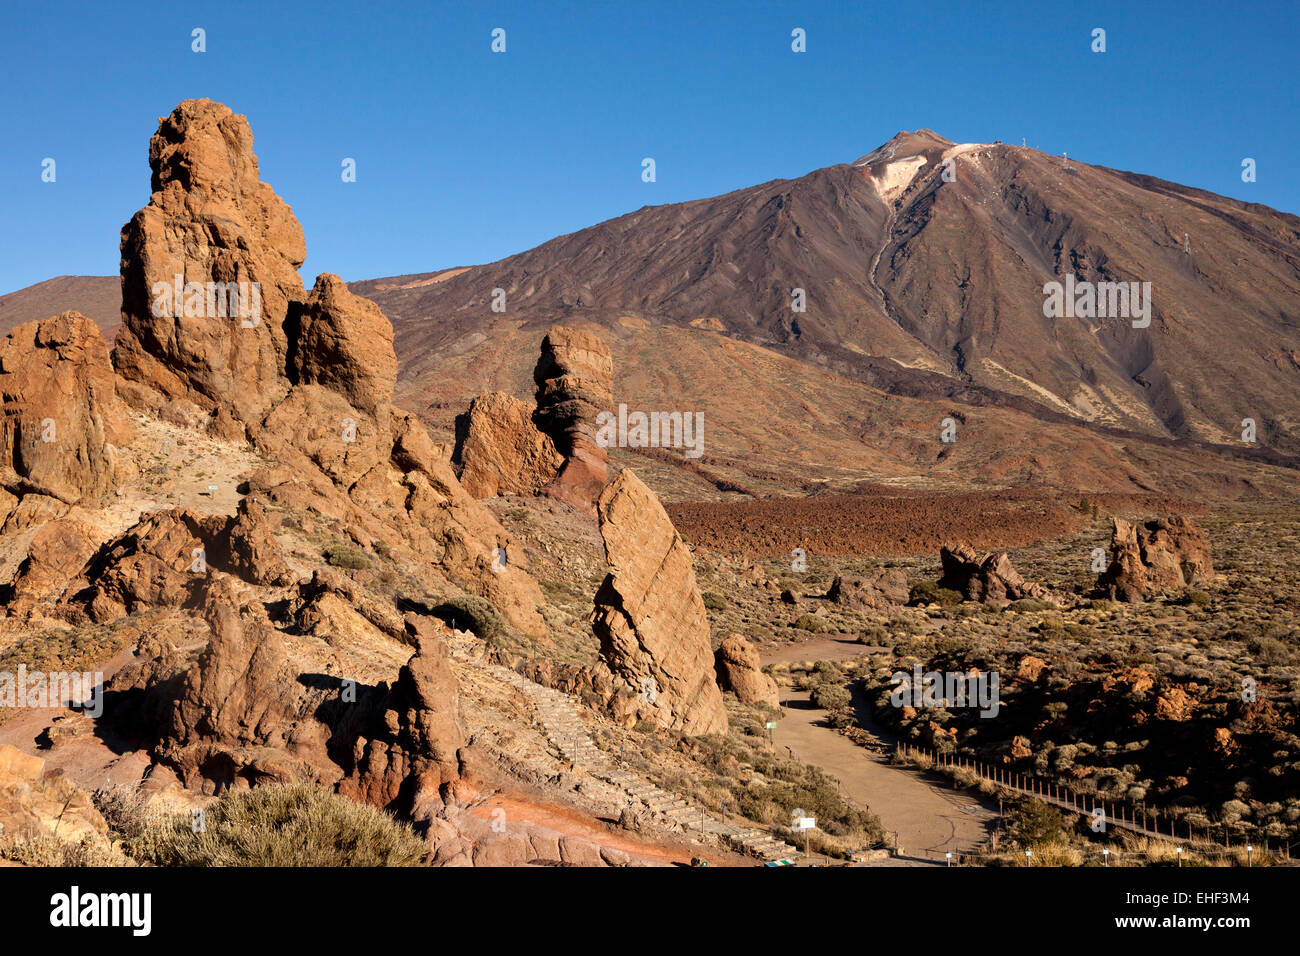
column 807, row 825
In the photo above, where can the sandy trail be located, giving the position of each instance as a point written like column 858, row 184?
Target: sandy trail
column 842, row 648
column 928, row 819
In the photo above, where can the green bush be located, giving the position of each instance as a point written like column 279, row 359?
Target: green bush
column 714, row 601
column 928, row 592
column 1197, row 598
column 341, row 556
column 468, row 612
column 830, row 696
column 873, row 634
column 1036, row 823
column 282, row 826
column 810, row 622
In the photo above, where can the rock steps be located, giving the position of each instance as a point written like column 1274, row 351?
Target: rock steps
column 559, row 716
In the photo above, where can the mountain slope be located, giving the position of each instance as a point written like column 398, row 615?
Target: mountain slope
column 97, row 297
column 934, row 289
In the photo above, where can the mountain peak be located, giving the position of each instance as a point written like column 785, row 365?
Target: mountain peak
column 903, row 145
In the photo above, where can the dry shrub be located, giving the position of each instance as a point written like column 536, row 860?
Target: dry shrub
column 295, row 825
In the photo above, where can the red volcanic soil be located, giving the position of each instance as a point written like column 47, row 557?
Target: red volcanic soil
column 890, row 521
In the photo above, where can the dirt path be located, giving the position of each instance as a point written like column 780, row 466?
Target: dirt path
column 928, row 819
column 844, row 647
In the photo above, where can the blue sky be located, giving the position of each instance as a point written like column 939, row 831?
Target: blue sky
column 465, row 156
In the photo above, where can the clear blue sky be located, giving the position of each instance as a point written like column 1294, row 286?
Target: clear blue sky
column 465, row 156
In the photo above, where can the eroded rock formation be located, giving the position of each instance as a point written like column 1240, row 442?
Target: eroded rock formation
column 212, row 222
column 885, row 587
column 61, row 422
column 989, row 578
column 739, row 671
column 500, row 451
column 574, row 377
column 1153, row 556
column 505, row 447
column 650, row 618
column 34, row 805
column 308, row 379
column 414, row 763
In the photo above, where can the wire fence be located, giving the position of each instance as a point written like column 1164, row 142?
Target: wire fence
column 1112, row 813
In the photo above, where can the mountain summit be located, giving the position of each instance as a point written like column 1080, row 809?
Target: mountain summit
column 924, row 267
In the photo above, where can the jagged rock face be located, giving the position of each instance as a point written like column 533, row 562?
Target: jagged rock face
column 58, row 551
column 414, row 764
column 651, row 621
column 34, row 805
column 61, row 421
column 345, row 344
column 739, row 671
column 499, row 451
column 1155, row 556
column 886, row 587
column 989, row 578
column 574, row 377
column 160, row 562
column 241, row 713
column 253, row 552
column 210, row 219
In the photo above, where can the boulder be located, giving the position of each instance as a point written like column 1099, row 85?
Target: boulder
column 499, row 451
column 989, row 578
column 161, row 561
column 739, row 671
column 34, row 805
column 649, row 616
column 61, row 422
column 1154, row 556
column 55, row 557
column 574, row 377
column 885, row 587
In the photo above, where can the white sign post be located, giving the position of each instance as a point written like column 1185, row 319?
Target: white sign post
column 807, row 825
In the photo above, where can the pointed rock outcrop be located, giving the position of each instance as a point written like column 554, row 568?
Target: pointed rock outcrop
column 574, row 377
column 345, row 344
column 209, row 273
column 650, row 618
column 413, row 766
column 503, row 446
column 306, row 378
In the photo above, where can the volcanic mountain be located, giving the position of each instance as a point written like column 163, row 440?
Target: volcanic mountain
column 923, row 268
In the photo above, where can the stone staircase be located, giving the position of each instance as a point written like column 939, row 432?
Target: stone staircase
column 559, row 715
